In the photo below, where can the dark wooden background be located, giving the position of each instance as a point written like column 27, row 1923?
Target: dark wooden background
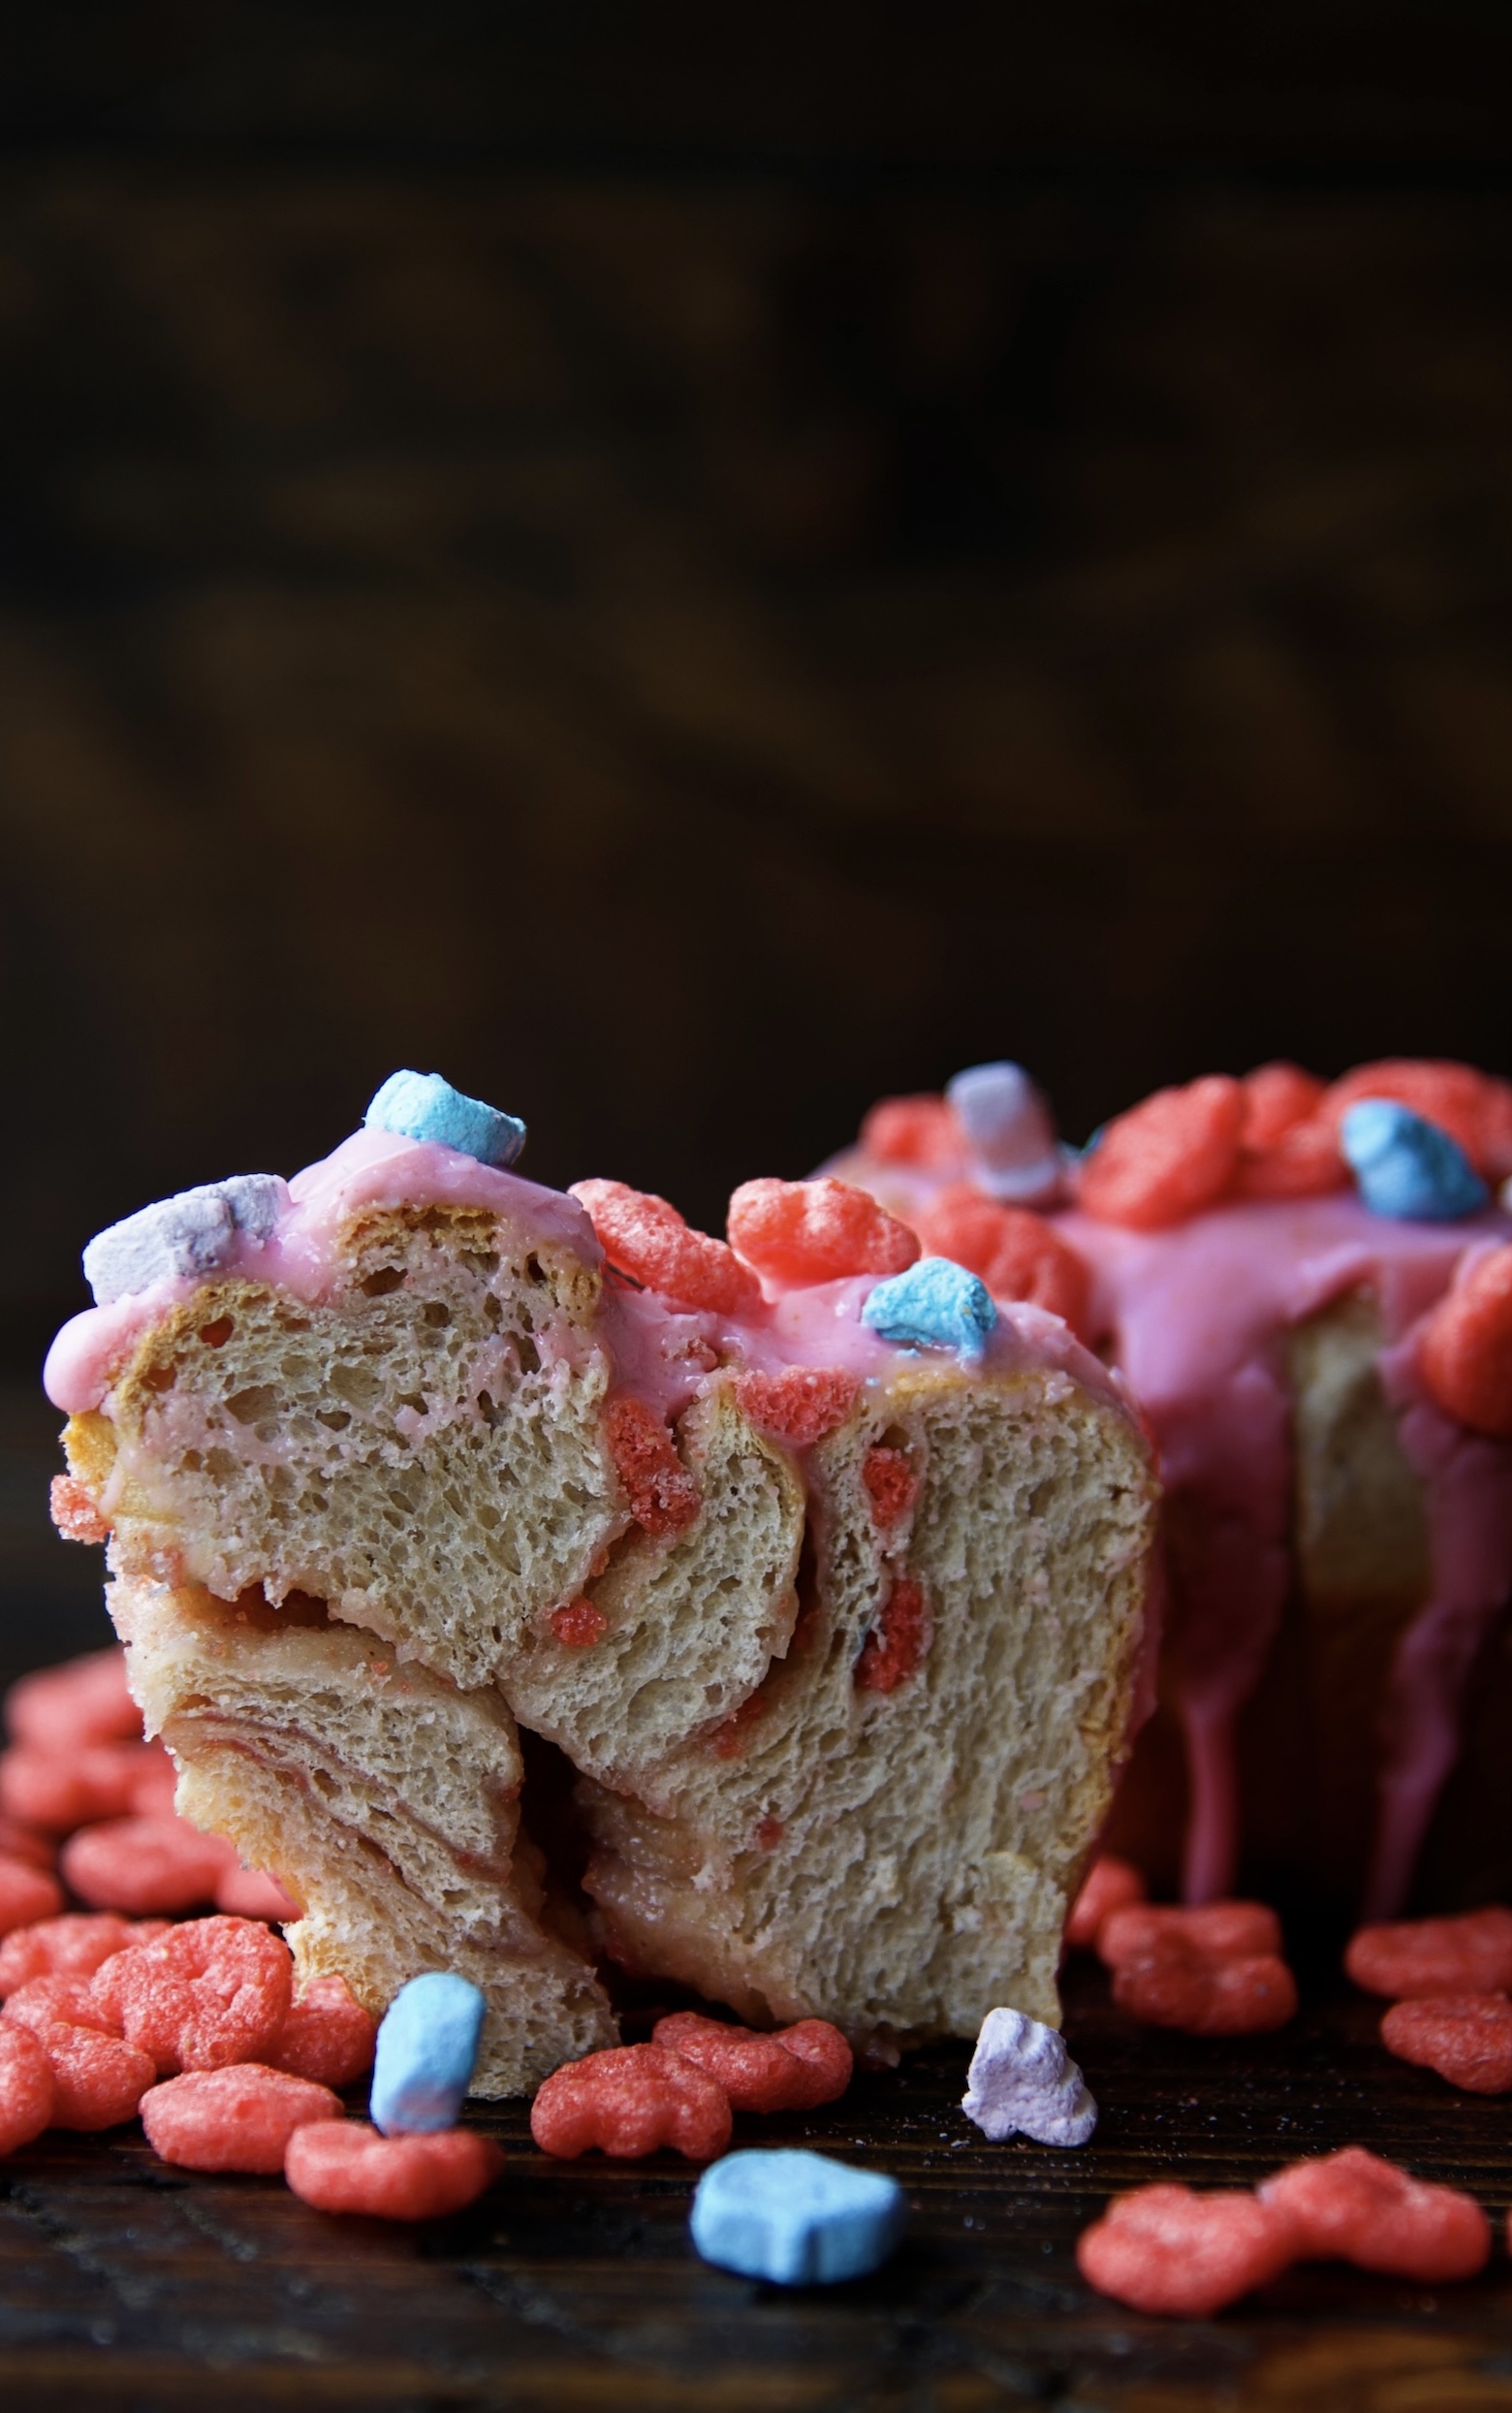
column 686, row 568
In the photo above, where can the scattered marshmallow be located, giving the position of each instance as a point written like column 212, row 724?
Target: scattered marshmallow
column 936, row 1304
column 1407, row 1167
column 1023, row 2082
column 186, row 1236
column 427, row 2047
column 420, row 1105
column 796, row 2218
column 1012, row 1151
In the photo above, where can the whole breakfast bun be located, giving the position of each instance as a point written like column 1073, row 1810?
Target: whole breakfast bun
column 536, row 1584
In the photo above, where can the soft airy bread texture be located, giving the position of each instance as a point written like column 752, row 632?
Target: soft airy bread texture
column 386, row 1801
column 424, row 1454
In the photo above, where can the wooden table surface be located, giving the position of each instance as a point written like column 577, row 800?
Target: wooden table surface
column 127, row 2285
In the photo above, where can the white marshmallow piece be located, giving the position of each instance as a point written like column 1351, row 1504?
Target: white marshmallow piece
column 1012, row 1151
column 188, row 1235
column 1023, row 2082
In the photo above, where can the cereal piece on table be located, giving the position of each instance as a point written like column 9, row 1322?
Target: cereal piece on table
column 1470, row 1954
column 799, row 1233
column 1178, row 1985
column 98, row 2079
column 662, row 1494
column 327, row 2035
column 919, row 1131
column 426, row 2051
column 61, row 1786
column 73, row 1944
column 800, row 1403
column 344, row 2165
column 1352, row 2207
column 237, row 2118
column 1011, row 1148
column 42, row 2002
column 1408, row 1169
column 26, row 2088
column 207, row 1993
column 934, row 1305
column 1015, row 1252
column 891, row 1484
column 797, row 2219
column 252, row 1893
column 146, row 1864
column 84, row 1700
column 1023, row 2082
column 1110, row 1883
column 1226, row 1930
column 645, row 1237
column 630, row 2101
column 154, row 1784
column 794, row 2069
column 26, row 1894
column 1167, row 1159
column 1166, row 2250
column 422, row 1106
column 1465, row 1348
column 19, row 1842
column 184, row 1237
column 1466, row 2038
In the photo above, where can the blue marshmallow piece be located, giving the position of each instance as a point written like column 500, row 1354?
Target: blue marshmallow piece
column 795, row 2217
column 420, row 1105
column 935, row 1305
column 1407, row 1167
column 428, row 2045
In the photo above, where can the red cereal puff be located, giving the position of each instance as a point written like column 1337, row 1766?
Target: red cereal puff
column 1305, row 1163
column 1225, row 1930
column 211, row 1992
column 645, row 1237
column 84, row 1700
column 891, row 1482
column 798, row 1233
column 629, row 2102
column 237, row 2118
column 98, row 2080
column 27, row 1843
column 146, row 1864
column 1414, row 1957
column 1352, row 2207
column 344, row 2165
column 802, row 1403
column 894, row 1649
column 328, row 2036
column 154, row 1784
column 1167, row 1159
column 1015, row 1253
column 62, row 1788
column 794, row 2069
column 26, row 1894
column 1465, row 1348
column 42, row 2002
column 921, row 1130
column 26, row 2088
column 73, row 1946
column 1278, row 1096
column 1166, row 2250
column 74, row 1512
column 1179, row 1986
column 577, row 1625
column 252, row 1893
column 662, row 1494
column 1466, row 2038
column 1109, row 1885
